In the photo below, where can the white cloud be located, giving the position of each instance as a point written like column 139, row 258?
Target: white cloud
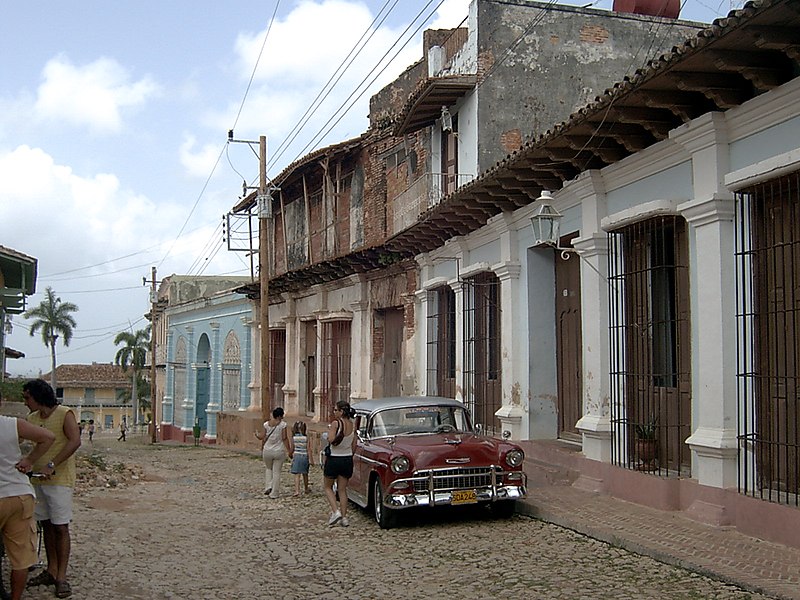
column 450, row 14
column 94, row 95
column 198, row 162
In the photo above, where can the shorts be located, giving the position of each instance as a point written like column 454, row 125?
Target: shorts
column 19, row 530
column 338, row 466
column 54, row 503
column 300, row 464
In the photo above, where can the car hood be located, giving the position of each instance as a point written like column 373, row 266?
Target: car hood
column 450, row 450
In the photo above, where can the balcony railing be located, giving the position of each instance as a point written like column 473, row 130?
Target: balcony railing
column 425, row 193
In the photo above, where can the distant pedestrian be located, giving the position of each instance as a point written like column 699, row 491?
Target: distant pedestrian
column 300, row 458
column 123, row 429
column 90, row 428
column 276, row 447
column 338, row 467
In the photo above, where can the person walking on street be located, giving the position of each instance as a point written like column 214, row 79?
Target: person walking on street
column 300, row 457
column 17, row 496
column 123, row 429
column 276, row 447
column 53, row 492
column 91, row 431
column 339, row 464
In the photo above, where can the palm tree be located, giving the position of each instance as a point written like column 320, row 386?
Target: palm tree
column 133, row 354
column 53, row 317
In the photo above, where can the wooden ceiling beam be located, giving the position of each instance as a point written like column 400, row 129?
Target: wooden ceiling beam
column 725, row 91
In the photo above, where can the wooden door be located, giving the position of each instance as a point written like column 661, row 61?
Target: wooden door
column 568, row 345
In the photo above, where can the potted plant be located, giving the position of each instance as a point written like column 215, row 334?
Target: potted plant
column 647, row 443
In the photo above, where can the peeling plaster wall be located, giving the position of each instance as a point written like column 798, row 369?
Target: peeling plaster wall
column 569, row 56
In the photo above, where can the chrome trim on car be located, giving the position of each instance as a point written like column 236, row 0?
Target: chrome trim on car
column 435, row 487
column 372, row 461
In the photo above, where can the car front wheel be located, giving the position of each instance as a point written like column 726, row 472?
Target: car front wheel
column 385, row 517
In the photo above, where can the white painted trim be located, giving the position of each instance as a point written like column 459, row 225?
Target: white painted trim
column 765, row 170
column 334, row 316
column 651, row 161
column 474, row 269
column 763, row 111
column 640, row 212
column 435, row 283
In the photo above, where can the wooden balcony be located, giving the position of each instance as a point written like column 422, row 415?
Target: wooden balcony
column 422, row 195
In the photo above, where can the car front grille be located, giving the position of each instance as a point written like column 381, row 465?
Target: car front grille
column 455, row 479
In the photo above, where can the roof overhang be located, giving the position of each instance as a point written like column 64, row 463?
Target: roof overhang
column 426, row 102
column 18, row 279
column 753, row 50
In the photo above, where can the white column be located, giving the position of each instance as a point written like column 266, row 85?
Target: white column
column 592, row 251
column 514, row 377
column 421, row 340
column 713, row 306
column 215, row 382
column 291, row 402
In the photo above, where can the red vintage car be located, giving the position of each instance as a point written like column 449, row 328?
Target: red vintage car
column 422, row 451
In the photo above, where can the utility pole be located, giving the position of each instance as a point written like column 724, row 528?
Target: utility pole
column 264, row 224
column 153, row 403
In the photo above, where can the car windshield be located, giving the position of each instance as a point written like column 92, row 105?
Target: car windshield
column 420, row 419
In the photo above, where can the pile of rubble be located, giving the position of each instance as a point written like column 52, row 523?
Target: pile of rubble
column 93, row 471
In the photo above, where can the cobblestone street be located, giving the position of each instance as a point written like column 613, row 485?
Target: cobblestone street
column 196, row 526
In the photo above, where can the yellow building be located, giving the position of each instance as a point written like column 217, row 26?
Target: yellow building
column 99, row 391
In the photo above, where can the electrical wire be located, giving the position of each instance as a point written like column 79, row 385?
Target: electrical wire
column 333, row 80
column 330, row 124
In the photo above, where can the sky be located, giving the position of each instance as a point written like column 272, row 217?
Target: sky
column 114, row 120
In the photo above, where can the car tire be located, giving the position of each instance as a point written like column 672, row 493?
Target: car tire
column 504, row 509
column 384, row 517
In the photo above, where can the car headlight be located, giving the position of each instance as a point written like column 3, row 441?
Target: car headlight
column 514, row 457
column 400, row 464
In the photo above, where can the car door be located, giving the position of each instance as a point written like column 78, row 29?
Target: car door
column 360, row 479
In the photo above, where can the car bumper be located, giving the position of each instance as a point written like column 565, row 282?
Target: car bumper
column 399, row 495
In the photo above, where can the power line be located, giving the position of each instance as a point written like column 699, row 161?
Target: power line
column 346, row 63
column 330, row 124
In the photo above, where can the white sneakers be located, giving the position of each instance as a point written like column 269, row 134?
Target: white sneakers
column 335, row 518
column 345, row 522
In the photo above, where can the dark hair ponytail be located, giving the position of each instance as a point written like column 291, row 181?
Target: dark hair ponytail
column 347, row 410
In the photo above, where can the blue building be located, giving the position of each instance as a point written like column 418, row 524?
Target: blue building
column 203, row 352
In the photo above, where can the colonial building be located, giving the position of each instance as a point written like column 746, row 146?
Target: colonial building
column 204, row 339
column 99, row 391
column 659, row 334
column 17, row 282
column 344, row 311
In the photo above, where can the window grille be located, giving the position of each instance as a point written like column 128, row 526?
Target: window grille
column 768, row 336
column 482, row 381
column 649, row 341
column 442, row 343
column 335, row 366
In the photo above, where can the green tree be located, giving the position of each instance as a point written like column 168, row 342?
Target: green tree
column 133, row 354
column 53, row 318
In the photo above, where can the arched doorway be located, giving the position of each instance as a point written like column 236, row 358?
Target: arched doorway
column 203, row 384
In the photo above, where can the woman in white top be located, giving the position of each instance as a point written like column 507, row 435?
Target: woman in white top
column 274, row 451
column 339, row 465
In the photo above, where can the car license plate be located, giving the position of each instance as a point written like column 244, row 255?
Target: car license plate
column 464, row 497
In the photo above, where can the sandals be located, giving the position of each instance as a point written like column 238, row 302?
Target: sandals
column 63, row 589
column 43, row 578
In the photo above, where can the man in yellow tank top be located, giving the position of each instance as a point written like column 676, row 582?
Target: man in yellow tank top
column 54, row 493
